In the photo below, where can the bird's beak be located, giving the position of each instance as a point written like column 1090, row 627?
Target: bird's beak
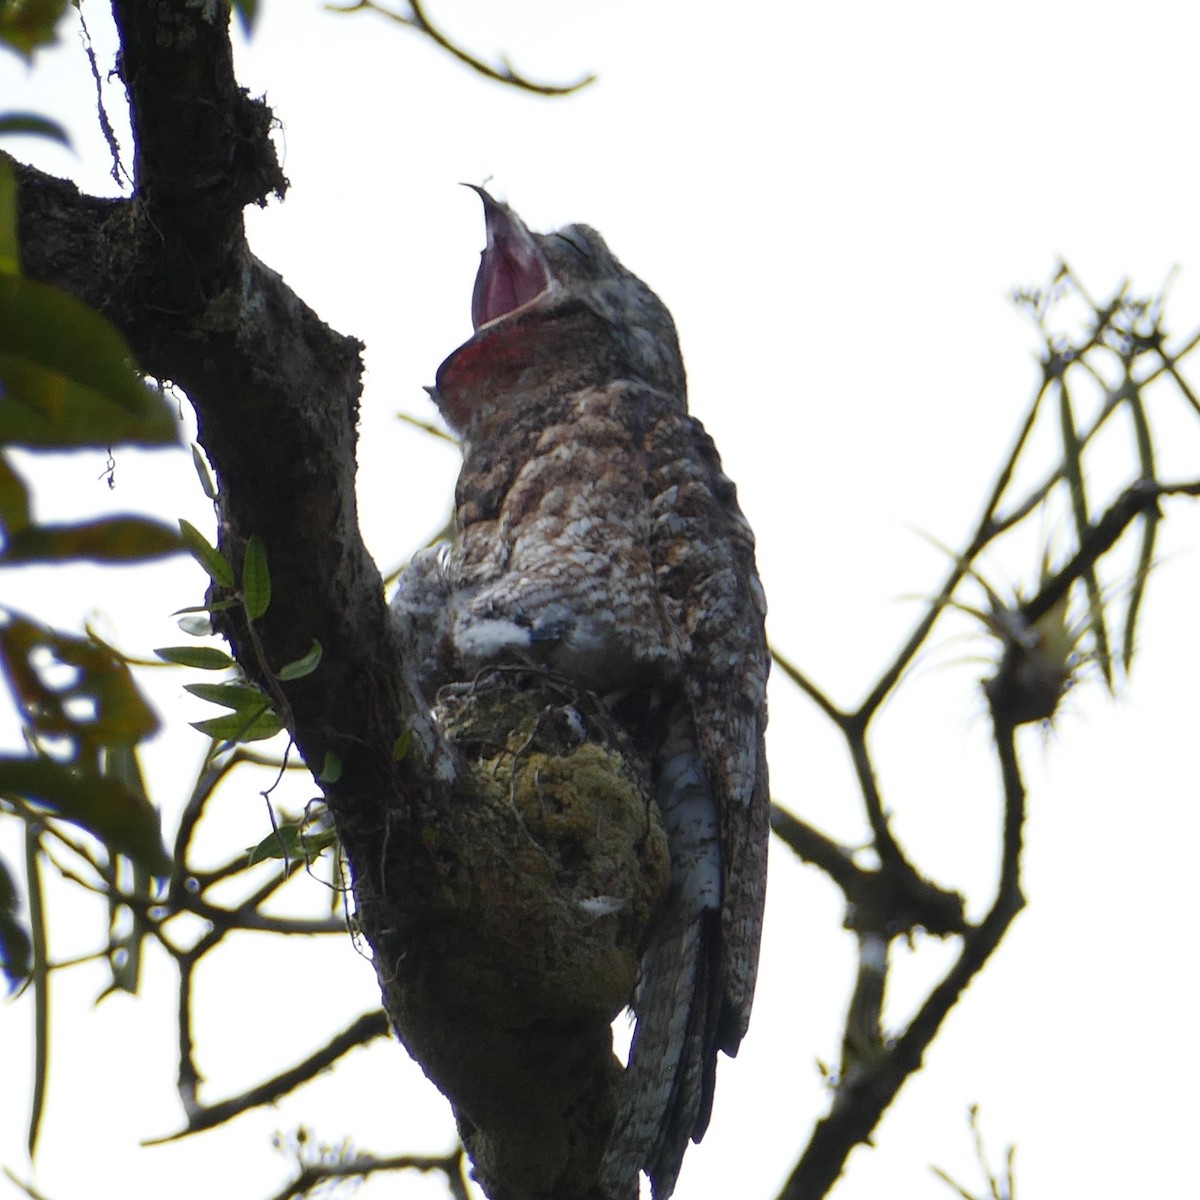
column 513, row 272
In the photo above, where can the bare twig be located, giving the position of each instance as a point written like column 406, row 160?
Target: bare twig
column 200, row 1117
column 359, row 1167
column 503, row 74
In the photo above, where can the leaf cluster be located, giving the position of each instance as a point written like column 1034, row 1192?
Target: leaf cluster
column 67, row 381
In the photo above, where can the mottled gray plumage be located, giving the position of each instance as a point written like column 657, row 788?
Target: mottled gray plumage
column 597, row 535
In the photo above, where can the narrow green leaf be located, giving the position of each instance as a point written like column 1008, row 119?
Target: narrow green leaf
column 206, row 658
column 302, row 666
column 256, row 578
column 284, row 842
column 125, row 822
column 331, row 768
column 315, row 844
column 107, row 540
column 40, row 974
column 402, row 745
column 14, row 499
column 290, row 842
column 209, row 557
column 33, row 123
column 235, row 727
column 207, row 483
column 241, row 697
column 1073, row 473
column 10, row 258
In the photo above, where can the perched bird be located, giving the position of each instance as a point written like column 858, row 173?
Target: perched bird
column 597, row 537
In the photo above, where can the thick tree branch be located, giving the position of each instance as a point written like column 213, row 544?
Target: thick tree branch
column 514, row 1028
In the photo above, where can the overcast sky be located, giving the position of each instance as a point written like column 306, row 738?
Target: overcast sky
column 834, row 201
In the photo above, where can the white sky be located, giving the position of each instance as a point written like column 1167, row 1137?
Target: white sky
column 833, row 200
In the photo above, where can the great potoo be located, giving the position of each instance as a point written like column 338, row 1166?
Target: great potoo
column 597, row 539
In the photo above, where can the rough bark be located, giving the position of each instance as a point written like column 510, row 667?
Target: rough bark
column 435, row 848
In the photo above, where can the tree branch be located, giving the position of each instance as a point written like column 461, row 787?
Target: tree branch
column 504, row 74
column 200, row 1117
column 514, row 1028
column 866, row 1090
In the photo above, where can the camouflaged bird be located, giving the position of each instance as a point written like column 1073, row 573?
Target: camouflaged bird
column 597, row 537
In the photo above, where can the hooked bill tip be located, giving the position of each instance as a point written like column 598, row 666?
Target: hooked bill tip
column 489, row 201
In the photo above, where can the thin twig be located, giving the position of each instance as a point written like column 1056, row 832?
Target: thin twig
column 1138, row 498
column 200, row 1117
column 502, row 74
column 312, row 1175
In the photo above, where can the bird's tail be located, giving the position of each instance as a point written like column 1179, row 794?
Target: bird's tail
column 666, row 1096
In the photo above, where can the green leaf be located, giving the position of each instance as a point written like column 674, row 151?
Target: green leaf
column 241, row 697
column 206, row 658
column 27, row 24
column 69, row 377
column 108, row 809
column 14, row 499
column 283, row 842
column 10, row 259
column 315, row 844
column 99, row 707
column 107, row 540
column 256, row 579
column 40, row 975
column 33, row 123
column 44, row 411
column 290, row 842
column 239, row 727
column 207, row 483
column 300, row 667
column 211, row 559
column 331, row 768
column 195, row 621
column 402, row 745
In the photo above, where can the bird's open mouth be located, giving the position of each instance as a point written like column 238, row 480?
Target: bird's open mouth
column 512, row 270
